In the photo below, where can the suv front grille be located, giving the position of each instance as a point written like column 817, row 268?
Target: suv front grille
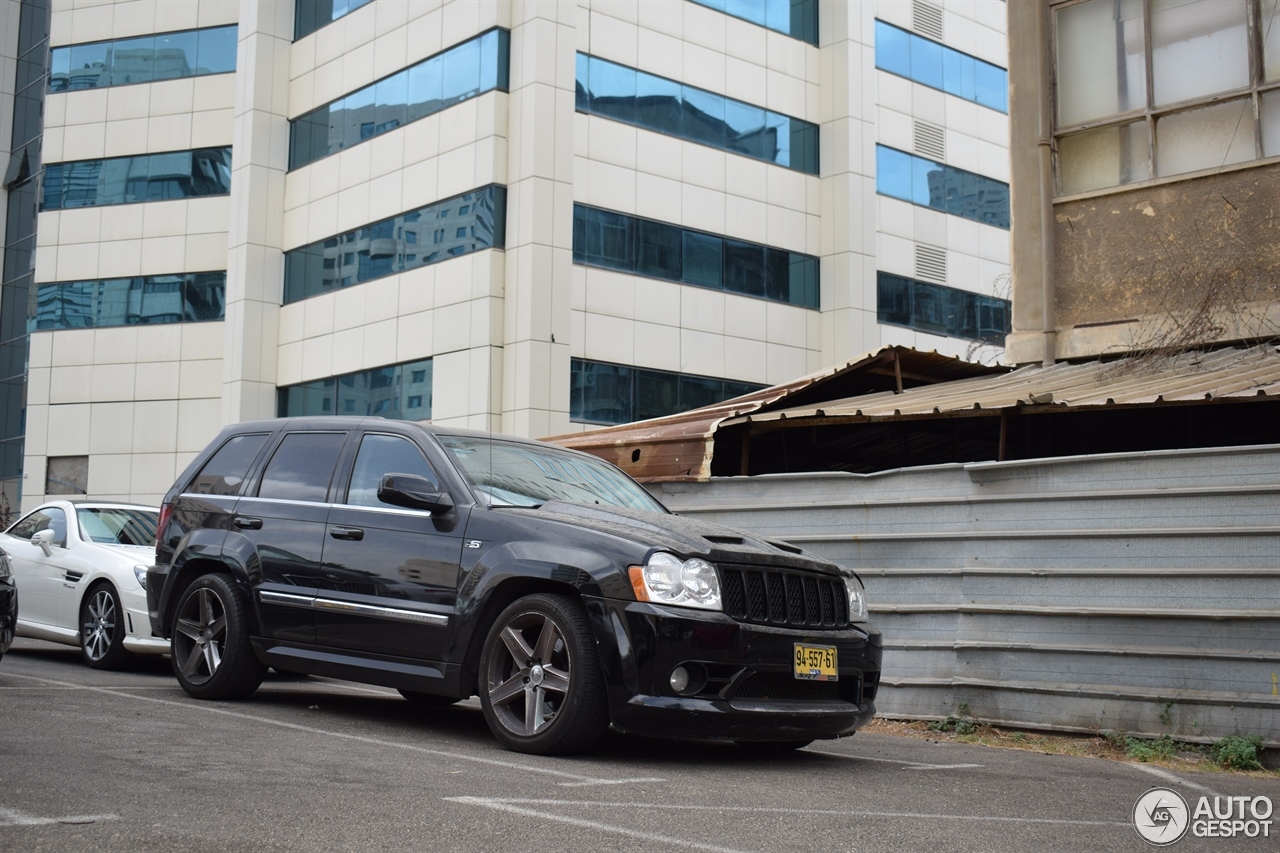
column 782, row 597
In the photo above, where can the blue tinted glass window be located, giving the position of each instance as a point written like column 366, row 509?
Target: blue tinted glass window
column 656, row 103
column 893, row 50
column 461, row 72
column 311, row 15
column 399, row 391
column 603, row 238
column 217, row 50
column 604, row 393
column 941, row 310
column 145, row 300
column 941, row 67
column 167, row 56
column 796, row 18
column 941, row 187
column 613, row 91
column 176, row 55
column 389, row 246
column 147, row 177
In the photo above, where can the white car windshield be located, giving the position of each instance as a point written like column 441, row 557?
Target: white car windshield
column 117, row 525
column 508, row 473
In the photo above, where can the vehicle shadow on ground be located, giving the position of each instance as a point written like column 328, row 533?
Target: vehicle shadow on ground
column 462, row 724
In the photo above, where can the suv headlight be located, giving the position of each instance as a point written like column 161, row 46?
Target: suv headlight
column 857, row 600
column 140, row 572
column 666, row 579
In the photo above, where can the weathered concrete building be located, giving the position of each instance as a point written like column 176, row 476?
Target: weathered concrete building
column 1145, row 158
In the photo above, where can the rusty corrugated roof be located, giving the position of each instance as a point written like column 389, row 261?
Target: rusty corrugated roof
column 1192, row 376
column 681, row 446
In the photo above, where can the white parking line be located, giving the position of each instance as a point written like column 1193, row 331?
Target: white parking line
column 574, row 778
column 509, row 806
column 906, row 765
column 13, row 817
column 494, row 802
column 1170, row 777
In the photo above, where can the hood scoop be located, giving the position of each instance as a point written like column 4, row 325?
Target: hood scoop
column 785, row 546
column 721, row 539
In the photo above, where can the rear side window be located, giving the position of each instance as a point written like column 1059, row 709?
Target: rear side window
column 223, row 474
column 302, row 466
column 380, row 455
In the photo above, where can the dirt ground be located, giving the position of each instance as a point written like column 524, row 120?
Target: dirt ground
column 1109, row 745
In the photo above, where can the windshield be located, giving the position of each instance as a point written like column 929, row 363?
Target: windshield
column 506, row 473
column 117, row 526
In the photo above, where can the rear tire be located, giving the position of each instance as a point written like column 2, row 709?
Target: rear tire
column 102, row 629
column 211, row 655
column 540, row 687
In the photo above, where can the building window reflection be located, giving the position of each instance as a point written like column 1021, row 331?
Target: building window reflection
column 450, row 77
column 389, row 247
column 145, row 59
column 940, row 310
column 311, row 15
column 138, row 301
column 941, row 187
column 940, row 67
column 797, row 18
column 146, row 177
column 655, row 103
column 398, row 391
column 603, row 393
column 602, row 238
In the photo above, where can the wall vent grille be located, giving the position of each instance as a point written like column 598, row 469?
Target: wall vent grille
column 931, row 264
column 926, row 18
column 930, row 141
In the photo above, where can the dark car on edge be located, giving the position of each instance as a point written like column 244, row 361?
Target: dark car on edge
column 449, row 563
column 8, row 604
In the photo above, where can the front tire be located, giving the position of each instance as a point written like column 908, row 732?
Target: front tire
column 102, row 629
column 540, row 683
column 212, row 658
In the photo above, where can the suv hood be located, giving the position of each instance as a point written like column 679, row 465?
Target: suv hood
column 686, row 537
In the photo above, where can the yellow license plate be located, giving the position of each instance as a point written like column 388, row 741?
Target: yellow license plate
column 816, row 663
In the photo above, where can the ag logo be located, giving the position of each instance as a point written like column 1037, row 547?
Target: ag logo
column 1161, row 816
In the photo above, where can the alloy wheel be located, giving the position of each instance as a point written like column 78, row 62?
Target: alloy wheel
column 530, row 675
column 200, row 635
column 99, row 626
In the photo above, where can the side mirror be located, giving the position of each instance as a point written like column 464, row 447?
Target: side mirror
column 413, row 492
column 43, row 538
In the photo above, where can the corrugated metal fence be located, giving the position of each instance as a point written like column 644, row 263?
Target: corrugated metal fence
column 1131, row 592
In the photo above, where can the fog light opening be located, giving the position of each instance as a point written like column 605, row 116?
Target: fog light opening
column 688, row 679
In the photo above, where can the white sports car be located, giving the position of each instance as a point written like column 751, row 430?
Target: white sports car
column 81, row 570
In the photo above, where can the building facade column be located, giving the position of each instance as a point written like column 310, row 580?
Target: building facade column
column 539, row 255
column 255, row 258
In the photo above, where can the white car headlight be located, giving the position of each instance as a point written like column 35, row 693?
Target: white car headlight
column 140, row 572
column 666, row 579
column 5, row 569
column 857, row 600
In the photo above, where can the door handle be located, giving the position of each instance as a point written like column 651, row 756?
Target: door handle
column 353, row 533
column 245, row 523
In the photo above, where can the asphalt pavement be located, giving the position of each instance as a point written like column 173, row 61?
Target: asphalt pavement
column 127, row 761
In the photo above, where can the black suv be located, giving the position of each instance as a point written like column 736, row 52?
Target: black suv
column 447, row 563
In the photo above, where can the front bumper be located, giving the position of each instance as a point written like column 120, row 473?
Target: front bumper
column 138, row 637
column 748, row 689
